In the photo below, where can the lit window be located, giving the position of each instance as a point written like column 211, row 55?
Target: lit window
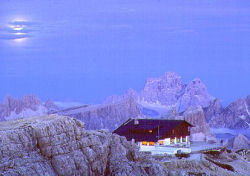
column 172, row 140
column 144, row 143
column 151, row 143
column 150, row 131
column 161, row 142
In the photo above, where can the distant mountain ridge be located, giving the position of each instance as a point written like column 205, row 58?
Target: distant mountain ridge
column 162, row 97
column 166, row 96
column 235, row 115
column 108, row 116
column 28, row 106
column 168, row 91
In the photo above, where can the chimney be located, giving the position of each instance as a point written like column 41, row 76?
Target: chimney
column 136, row 122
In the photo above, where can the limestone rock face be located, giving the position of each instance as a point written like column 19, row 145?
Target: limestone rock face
column 130, row 94
column 213, row 110
column 2, row 111
column 201, row 130
column 236, row 115
column 105, row 116
column 165, row 89
column 28, row 106
column 56, row 145
column 239, row 142
column 195, row 94
column 169, row 90
column 51, row 107
column 248, row 100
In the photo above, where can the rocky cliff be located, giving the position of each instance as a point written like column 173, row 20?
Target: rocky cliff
column 169, row 90
column 51, row 106
column 28, row 106
column 109, row 115
column 213, row 110
column 166, row 89
column 236, row 115
column 58, row 145
column 201, row 130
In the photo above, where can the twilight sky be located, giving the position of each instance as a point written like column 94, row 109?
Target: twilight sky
column 86, row 50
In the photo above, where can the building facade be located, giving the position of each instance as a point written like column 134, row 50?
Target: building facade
column 157, row 135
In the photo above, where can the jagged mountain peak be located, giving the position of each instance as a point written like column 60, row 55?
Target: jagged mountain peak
column 28, row 105
column 235, row 115
column 169, row 90
column 51, row 106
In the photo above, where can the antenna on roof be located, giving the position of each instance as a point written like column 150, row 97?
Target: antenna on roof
column 158, row 130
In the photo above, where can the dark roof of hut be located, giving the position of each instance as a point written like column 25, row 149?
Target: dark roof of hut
column 148, row 129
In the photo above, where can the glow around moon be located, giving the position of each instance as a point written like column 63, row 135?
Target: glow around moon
column 19, row 30
column 17, row 27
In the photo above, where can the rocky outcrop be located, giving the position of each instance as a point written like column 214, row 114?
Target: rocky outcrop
column 108, row 116
column 57, row 145
column 201, row 130
column 213, row 110
column 170, row 91
column 165, row 89
column 239, row 142
column 195, row 94
column 248, row 100
column 130, row 94
column 51, row 106
column 236, row 115
column 28, row 106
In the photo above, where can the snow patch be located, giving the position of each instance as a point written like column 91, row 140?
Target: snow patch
column 242, row 117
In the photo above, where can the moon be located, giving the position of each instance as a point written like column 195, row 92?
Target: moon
column 17, row 27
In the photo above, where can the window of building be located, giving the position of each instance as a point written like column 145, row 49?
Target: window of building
column 172, row 141
column 177, row 140
column 144, row 143
column 160, row 142
column 184, row 139
column 151, row 143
